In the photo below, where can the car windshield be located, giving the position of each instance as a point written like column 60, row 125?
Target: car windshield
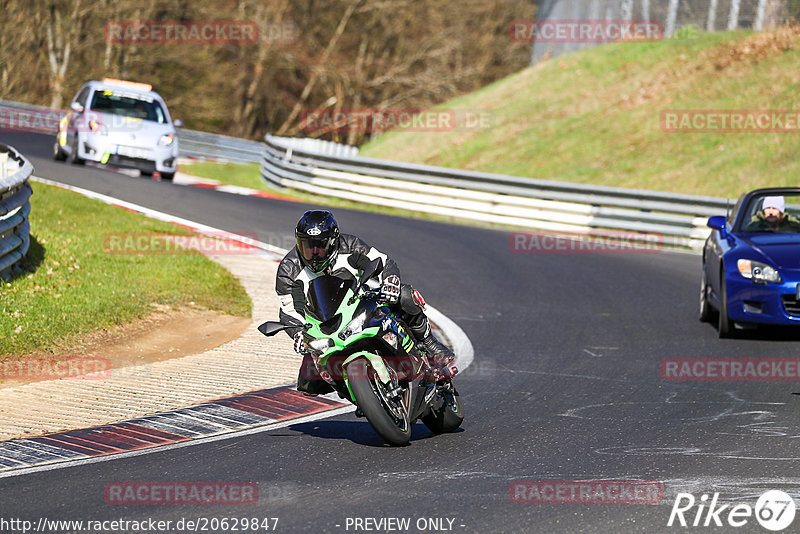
column 772, row 213
column 128, row 105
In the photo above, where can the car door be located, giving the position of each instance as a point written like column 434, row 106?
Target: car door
column 75, row 113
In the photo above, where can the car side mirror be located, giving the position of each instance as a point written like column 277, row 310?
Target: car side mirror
column 77, row 108
column 717, row 222
column 178, row 123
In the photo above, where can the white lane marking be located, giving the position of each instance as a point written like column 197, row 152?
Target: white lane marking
column 566, row 375
column 153, row 214
column 587, row 351
column 161, row 448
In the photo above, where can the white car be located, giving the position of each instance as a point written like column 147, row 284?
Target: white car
column 119, row 123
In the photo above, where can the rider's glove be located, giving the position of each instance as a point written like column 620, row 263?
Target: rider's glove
column 300, row 344
column 390, row 289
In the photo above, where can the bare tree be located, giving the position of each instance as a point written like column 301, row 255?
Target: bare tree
column 320, row 66
column 733, row 15
column 63, row 28
column 347, row 53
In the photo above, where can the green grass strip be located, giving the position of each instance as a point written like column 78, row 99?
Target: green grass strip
column 74, row 285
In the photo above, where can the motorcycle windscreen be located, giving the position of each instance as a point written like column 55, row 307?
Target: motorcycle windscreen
column 325, row 295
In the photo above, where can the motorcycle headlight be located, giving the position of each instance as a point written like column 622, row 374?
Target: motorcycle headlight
column 758, row 272
column 321, row 344
column 166, row 140
column 355, row 326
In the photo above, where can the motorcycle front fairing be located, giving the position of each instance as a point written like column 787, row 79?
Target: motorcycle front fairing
column 344, row 328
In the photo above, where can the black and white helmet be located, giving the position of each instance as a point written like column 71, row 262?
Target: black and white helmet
column 317, row 236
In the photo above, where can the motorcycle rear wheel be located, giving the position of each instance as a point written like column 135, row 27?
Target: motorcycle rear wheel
column 394, row 431
column 441, row 418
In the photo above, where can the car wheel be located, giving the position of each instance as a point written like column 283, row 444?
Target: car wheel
column 74, row 158
column 146, row 173
column 725, row 326
column 167, row 176
column 705, row 308
column 58, row 154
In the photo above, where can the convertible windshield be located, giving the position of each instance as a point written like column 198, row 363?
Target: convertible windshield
column 772, row 213
column 128, row 105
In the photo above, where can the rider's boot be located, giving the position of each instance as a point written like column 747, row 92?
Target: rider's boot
column 443, row 358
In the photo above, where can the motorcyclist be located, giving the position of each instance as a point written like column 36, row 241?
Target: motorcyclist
column 320, row 250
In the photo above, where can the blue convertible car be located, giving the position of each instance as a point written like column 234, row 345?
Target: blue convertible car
column 751, row 262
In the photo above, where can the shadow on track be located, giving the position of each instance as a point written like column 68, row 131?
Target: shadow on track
column 767, row 333
column 359, row 432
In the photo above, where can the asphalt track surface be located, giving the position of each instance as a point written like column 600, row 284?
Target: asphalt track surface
column 565, row 385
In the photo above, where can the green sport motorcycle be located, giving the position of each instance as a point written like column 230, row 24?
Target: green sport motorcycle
column 365, row 352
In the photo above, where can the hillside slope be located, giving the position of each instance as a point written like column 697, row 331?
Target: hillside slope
column 596, row 117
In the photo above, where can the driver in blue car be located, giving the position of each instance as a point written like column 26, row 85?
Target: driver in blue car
column 773, row 217
column 321, row 250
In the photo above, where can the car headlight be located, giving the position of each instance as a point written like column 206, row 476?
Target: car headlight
column 98, row 128
column 758, row 272
column 353, row 327
column 166, row 139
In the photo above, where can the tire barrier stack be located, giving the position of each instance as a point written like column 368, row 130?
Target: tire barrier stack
column 15, row 206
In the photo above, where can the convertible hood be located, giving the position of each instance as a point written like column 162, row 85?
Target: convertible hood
column 782, row 249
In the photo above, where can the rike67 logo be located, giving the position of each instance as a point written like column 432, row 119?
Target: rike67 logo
column 774, row 510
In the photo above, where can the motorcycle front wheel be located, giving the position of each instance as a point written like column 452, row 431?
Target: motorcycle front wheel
column 371, row 396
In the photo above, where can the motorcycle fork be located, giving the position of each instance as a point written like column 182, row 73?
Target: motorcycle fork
column 448, row 396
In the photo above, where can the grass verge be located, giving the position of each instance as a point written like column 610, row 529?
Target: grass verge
column 595, row 117
column 75, row 286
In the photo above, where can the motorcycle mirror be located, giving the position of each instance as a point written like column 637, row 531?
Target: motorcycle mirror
column 270, row 328
column 372, row 268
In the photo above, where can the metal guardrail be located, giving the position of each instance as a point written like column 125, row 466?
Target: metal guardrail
column 674, row 219
column 15, row 194
column 208, row 145
column 195, row 144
